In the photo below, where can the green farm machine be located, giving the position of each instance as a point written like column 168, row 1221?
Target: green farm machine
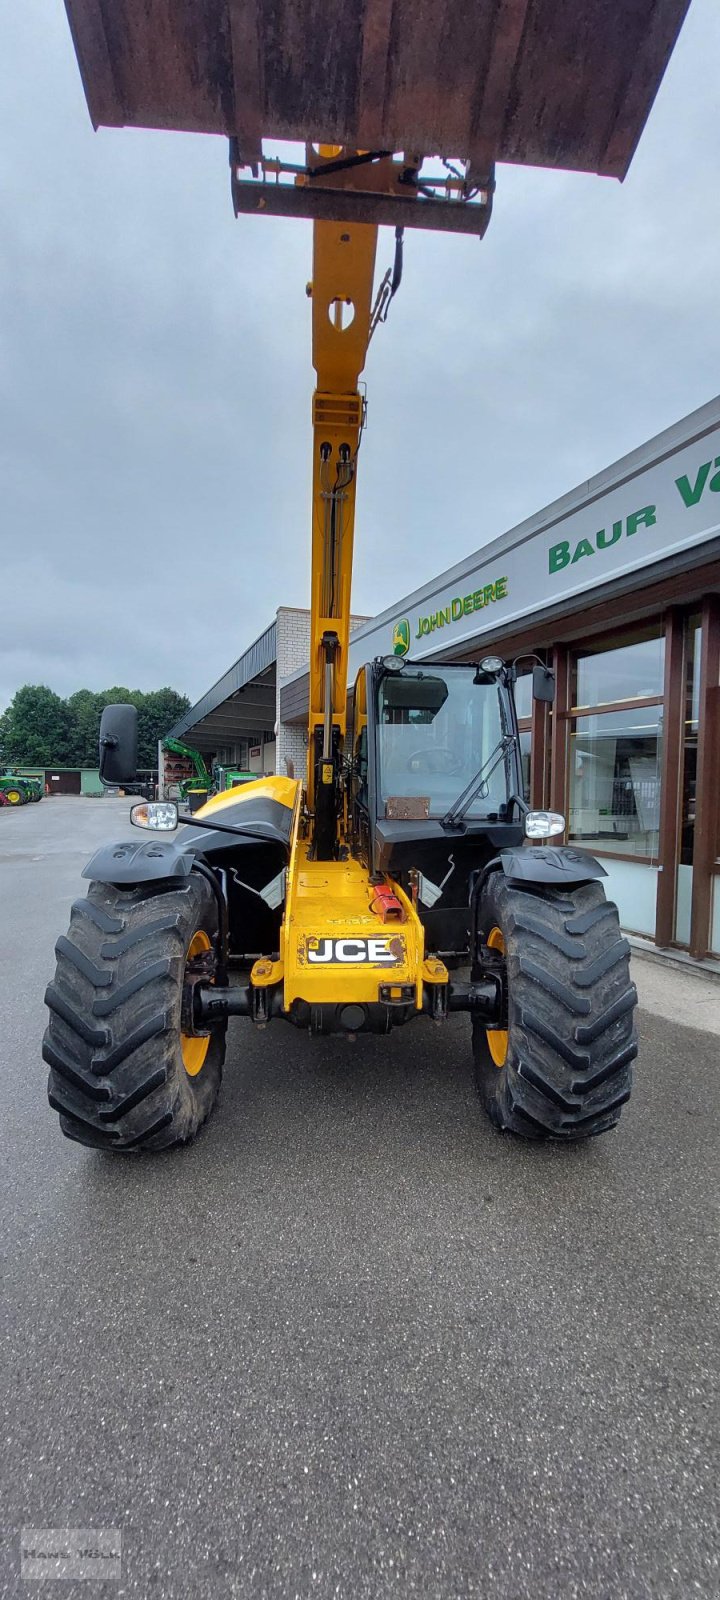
column 18, row 789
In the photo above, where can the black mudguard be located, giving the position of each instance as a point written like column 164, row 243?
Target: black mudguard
column 557, row 865
column 143, row 861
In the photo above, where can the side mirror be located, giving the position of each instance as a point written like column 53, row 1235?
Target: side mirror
column 118, row 745
column 543, row 684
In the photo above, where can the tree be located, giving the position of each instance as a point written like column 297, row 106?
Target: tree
column 85, row 709
column 36, row 728
column 40, row 729
column 157, row 712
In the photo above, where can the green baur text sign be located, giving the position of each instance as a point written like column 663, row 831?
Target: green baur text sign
column 690, row 491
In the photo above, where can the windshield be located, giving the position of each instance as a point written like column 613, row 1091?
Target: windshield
column 436, row 728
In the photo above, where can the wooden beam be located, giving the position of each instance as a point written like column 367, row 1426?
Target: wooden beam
column 672, row 758
column 706, row 790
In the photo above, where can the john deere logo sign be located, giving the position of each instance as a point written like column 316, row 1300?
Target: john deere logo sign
column 462, row 606
column 401, row 637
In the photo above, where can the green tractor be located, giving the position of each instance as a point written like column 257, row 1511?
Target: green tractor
column 18, row 791
column 201, row 783
column 231, row 778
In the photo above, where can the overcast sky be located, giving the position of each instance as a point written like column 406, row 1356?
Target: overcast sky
column 155, row 374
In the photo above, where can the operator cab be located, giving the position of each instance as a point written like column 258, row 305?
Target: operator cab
column 436, row 783
column 435, row 730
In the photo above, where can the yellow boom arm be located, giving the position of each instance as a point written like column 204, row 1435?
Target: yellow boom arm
column 343, row 271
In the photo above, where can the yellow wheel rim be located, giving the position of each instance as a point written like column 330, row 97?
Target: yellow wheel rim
column 497, row 1037
column 194, row 1049
column 13, row 796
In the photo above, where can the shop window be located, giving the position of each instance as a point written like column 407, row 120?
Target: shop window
column 630, row 672
column 615, row 781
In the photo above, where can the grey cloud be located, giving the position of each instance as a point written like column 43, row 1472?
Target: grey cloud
column 155, row 374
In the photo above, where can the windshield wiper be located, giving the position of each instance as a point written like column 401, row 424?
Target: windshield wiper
column 478, row 784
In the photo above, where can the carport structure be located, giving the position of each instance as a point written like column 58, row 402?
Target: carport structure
column 239, row 711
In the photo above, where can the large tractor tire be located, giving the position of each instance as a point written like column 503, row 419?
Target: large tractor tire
column 15, row 797
column 561, row 1069
column 123, row 1076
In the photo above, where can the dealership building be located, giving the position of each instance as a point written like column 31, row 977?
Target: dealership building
column 617, row 587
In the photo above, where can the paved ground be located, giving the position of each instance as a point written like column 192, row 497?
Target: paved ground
column 352, row 1343
column 678, row 994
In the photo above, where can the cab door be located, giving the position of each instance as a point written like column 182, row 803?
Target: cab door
column 359, row 767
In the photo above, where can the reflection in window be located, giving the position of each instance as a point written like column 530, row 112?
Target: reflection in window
column 692, row 707
column 523, row 695
column 525, row 750
column 615, row 781
column 691, row 711
column 634, row 672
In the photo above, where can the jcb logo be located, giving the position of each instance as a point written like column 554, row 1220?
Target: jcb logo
column 375, row 952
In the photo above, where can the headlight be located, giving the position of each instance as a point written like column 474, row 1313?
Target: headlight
column 544, row 824
column 161, row 815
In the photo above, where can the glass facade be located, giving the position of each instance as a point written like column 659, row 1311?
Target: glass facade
column 628, row 672
column 615, row 759
column 615, row 756
column 623, row 753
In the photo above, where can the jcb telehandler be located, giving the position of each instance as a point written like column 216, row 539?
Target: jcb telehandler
column 349, row 904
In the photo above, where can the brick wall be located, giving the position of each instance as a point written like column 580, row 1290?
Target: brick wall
column 293, row 651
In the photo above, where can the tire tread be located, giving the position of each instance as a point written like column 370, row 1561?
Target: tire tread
column 120, row 1083
column 571, row 1037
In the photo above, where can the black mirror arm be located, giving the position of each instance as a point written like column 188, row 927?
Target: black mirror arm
column 513, row 801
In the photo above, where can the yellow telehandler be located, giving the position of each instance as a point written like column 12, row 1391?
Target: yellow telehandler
column 350, row 903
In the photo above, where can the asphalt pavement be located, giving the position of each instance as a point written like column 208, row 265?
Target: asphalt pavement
column 352, row 1342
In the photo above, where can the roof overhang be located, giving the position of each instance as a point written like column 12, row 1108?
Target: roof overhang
column 241, row 703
